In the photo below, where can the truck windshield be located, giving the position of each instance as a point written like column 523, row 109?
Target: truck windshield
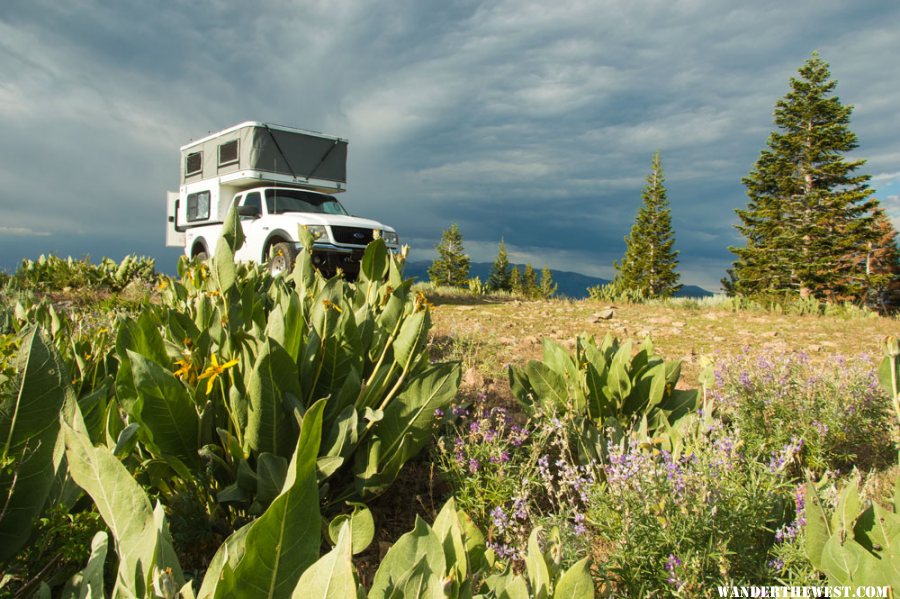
column 279, row 201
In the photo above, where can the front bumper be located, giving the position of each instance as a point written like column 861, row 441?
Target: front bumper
column 328, row 258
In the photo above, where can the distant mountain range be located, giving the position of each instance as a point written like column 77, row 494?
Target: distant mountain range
column 571, row 284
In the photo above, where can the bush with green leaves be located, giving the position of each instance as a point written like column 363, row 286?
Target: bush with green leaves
column 857, row 543
column 678, row 523
column 510, row 476
column 604, row 393
column 203, row 395
column 834, row 414
column 52, row 273
column 278, row 554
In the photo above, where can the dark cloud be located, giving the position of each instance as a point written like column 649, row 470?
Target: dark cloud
column 527, row 120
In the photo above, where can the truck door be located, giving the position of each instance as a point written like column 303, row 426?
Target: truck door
column 253, row 227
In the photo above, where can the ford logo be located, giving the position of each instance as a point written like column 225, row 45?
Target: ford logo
column 359, row 236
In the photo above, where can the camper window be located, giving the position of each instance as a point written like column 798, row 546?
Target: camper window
column 193, row 164
column 198, row 206
column 228, row 153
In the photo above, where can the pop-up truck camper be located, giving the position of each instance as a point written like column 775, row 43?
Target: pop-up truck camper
column 281, row 178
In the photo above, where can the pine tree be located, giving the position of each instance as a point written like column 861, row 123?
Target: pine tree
column 451, row 267
column 548, row 287
column 648, row 266
column 881, row 264
column 500, row 278
column 515, row 281
column 808, row 209
column 529, row 282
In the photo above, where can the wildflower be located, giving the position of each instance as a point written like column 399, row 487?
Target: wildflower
column 580, row 528
column 474, row 465
column 214, row 371
column 186, row 370
column 438, row 413
column 671, row 563
column 331, row 305
column 499, row 518
column 422, row 302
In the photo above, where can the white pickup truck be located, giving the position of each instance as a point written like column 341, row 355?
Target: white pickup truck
column 281, row 178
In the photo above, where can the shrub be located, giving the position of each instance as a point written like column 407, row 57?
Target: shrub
column 675, row 524
column 509, row 477
column 51, row 273
column 834, row 415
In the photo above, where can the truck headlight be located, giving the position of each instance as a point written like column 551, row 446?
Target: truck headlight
column 317, row 231
column 390, row 238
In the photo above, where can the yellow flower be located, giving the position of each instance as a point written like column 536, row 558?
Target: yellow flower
column 186, row 372
column 422, row 302
column 163, row 284
column 328, row 304
column 215, row 370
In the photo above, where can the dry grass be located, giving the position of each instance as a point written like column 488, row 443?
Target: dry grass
column 488, row 333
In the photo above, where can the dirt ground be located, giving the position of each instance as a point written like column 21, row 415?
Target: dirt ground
column 487, row 333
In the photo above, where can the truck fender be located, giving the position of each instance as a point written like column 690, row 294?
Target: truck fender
column 199, row 246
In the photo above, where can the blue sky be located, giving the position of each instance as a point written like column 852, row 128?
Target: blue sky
column 535, row 121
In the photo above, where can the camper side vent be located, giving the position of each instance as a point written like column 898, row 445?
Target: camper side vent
column 193, row 164
column 228, row 153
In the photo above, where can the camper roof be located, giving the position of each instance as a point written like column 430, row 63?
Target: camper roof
column 260, row 124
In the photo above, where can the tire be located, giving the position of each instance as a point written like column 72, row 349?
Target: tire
column 281, row 258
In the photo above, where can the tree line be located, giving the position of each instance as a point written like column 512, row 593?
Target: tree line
column 812, row 227
column 451, row 268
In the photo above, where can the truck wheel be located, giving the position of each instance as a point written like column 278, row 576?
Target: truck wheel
column 281, row 258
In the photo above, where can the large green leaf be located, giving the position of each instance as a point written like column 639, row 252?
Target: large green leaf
column 341, row 352
column 286, row 325
column 411, row 338
column 406, row 425
column 374, row 265
column 269, row 426
column 284, row 541
column 536, row 566
column 232, row 231
column 448, row 528
column 166, row 409
column 142, row 542
column 88, row 584
column 415, row 560
column 549, row 386
column 818, row 529
column 222, row 268
column 29, row 426
column 575, row 583
column 332, row 577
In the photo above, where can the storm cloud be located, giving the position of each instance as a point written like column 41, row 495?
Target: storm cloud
column 533, row 121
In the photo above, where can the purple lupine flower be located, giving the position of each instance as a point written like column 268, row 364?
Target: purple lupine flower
column 580, row 528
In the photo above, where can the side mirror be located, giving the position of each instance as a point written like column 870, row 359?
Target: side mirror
column 251, row 211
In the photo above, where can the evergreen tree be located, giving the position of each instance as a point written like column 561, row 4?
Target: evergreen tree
column 451, row 267
column 529, row 282
column 515, row 281
column 648, row 266
column 501, row 276
column 881, row 265
column 548, row 287
column 808, row 209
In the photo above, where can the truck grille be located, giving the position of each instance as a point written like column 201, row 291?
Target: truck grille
column 352, row 235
